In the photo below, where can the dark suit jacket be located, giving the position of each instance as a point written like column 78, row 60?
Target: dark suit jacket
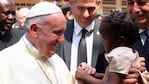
column 98, row 59
column 10, row 37
column 140, row 48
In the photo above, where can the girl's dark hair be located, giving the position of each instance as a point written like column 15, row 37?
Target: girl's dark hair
column 122, row 24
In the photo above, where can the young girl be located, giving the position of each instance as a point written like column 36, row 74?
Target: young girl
column 119, row 31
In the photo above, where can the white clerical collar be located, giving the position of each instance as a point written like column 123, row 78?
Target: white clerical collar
column 32, row 49
column 78, row 28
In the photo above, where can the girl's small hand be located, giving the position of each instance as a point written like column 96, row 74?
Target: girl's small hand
column 84, row 70
column 80, row 74
column 87, row 68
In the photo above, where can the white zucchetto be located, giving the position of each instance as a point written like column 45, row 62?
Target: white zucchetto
column 43, row 8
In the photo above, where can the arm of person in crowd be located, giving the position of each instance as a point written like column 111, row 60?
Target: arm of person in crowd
column 143, row 65
column 133, row 76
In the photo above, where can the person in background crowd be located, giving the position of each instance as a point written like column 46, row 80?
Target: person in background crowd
column 118, row 46
column 84, row 12
column 21, row 18
column 8, row 35
column 67, row 11
column 32, row 60
column 99, row 17
column 140, row 9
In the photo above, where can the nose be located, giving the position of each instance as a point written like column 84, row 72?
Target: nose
column 11, row 16
column 86, row 13
column 136, row 8
column 61, row 38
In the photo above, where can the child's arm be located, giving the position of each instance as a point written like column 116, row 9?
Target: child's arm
column 84, row 73
column 85, row 77
column 113, row 78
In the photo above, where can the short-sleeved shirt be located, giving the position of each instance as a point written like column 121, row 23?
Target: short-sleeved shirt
column 121, row 59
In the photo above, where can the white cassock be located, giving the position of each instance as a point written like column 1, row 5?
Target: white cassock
column 23, row 64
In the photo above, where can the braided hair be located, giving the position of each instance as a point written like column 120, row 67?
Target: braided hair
column 122, row 24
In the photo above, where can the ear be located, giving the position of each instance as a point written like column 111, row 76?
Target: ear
column 33, row 30
column 98, row 3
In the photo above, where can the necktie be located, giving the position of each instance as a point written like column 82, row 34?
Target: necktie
column 82, row 52
column 146, row 44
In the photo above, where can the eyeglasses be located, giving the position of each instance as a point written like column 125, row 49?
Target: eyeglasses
column 8, row 12
column 139, row 3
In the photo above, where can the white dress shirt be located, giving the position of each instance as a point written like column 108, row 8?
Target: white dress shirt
column 75, row 42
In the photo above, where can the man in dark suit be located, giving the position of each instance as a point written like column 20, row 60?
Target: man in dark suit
column 84, row 19
column 97, row 60
column 140, row 9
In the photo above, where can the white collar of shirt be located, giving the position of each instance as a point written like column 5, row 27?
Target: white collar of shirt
column 142, row 36
column 141, row 30
column 78, row 28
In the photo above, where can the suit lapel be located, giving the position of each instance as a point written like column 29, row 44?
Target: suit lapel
column 140, row 48
column 96, row 44
column 68, row 41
